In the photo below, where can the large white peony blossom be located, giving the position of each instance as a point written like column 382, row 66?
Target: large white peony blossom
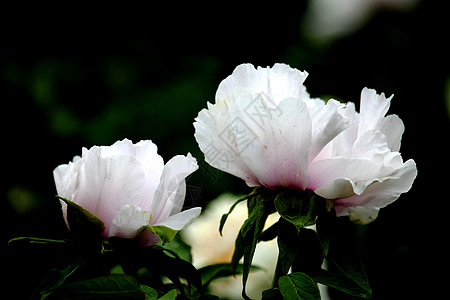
column 265, row 129
column 128, row 187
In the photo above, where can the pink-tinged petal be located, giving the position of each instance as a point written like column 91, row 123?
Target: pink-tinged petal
column 341, row 177
column 273, row 143
column 129, row 221
column 215, row 137
column 108, row 184
column 153, row 165
column 392, row 127
column 373, row 108
column 170, row 194
column 384, row 191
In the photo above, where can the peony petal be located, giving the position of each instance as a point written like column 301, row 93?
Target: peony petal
column 180, row 220
column 153, row 166
column 108, row 184
column 373, row 108
column 327, row 123
column 280, row 138
column 342, row 177
column 214, row 135
column 392, row 127
column 171, row 191
column 385, row 191
column 278, row 83
column 129, row 221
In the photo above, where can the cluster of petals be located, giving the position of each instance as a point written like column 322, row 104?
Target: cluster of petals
column 266, row 129
column 128, row 187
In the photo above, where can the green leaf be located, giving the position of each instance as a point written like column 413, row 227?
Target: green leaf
column 212, row 272
column 249, row 234
column 225, row 216
column 40, row 241
column 298, row 207
column 179, row 246
column 348, row 284
column 83, row 224
column 150, row 293
column 103, row 287
column 287, row 247
column 165, row 234
column 325, row 227
column 170, row 295
column 298, row 286
column 56, row 278
column 157, row 261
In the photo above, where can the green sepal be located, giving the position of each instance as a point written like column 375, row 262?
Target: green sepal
column 298, row 207
column 82, row 224
column 165, row 234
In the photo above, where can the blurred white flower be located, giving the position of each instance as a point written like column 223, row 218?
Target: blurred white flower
column 328, row 19
column 128, row 187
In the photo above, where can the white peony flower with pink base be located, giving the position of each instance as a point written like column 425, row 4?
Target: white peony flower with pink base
column 266, row 129
column 130, row 189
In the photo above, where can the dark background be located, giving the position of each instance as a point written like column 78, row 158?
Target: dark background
column 75, row 77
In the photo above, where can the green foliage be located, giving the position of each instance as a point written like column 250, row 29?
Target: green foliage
column 83, row 224
column 298, row 286
column 301, row 249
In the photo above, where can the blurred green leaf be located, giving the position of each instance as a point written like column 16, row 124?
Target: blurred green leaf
column 150, row 293
column 103, row 287
column 56, row 278
column 170, row 295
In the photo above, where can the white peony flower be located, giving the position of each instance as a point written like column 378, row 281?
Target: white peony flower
column 265, row 129
column 129, row 188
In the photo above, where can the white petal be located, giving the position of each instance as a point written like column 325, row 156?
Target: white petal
column 273, row 143
column 386, row 190
column 108, row 184
column 169, row 196
column 180, row 220
column 373, row 109
column 327, row 123
column 215, row 137
column 392, row 127
column 279, row 82
column 153, row 165
column 129, row 221
column 342, row 177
